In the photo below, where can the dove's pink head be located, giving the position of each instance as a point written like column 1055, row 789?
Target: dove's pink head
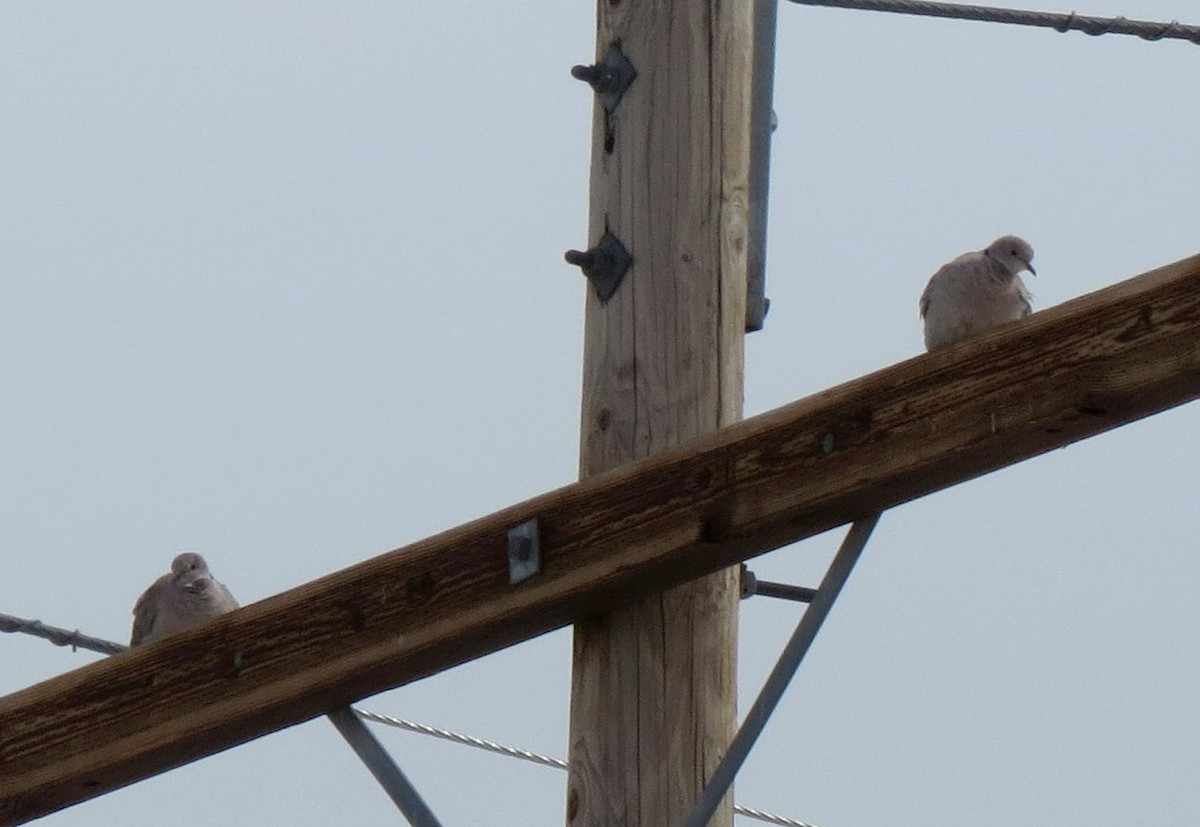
column 191, row 572
column 1012, row 253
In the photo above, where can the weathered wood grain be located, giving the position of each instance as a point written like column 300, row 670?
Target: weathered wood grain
column 653, row 693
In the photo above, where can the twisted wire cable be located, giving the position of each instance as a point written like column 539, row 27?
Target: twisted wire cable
column 1145, row 29
column 60, row 637
column 459, row 738
column 534, row 757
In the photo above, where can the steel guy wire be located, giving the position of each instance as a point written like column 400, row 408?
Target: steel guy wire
column 1145, row 29
column 77, row 640
column 459, row 738
column 770, row 818
column 536, row 758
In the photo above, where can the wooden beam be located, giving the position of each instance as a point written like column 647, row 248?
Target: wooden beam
column 1061, row 375
column 653, row 683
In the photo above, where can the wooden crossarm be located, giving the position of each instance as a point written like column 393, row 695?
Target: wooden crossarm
column 1064, row 374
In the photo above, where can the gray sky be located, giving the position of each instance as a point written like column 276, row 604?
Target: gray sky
column 282, row 284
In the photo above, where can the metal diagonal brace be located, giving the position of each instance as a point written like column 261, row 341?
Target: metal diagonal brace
column 381, row 765
column 785, row 668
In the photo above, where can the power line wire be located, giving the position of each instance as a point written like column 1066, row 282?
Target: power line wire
column 77, row 640
column 1145, row 29
column 60, row 637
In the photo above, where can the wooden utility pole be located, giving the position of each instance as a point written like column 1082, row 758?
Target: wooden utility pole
column 653, row 694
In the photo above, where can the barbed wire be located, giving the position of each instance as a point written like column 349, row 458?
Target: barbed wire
column 1145, row 29
column 77, row 640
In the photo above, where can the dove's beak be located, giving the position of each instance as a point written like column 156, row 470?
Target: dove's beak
column 1029, row 267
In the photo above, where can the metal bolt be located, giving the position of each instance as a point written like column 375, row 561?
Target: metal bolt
column 604, row 265
column 587, row 260
column 609, row 78
column 600, row 77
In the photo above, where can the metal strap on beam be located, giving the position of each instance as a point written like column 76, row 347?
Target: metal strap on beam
column 762, row 124
column 785, row 668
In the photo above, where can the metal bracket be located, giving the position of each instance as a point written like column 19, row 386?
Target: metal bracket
column 605, row 265
column 752, row 586
column 789, row 661
column 609, row 78
column 381, row 765
column 524, row 551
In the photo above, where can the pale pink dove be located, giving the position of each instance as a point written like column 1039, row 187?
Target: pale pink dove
column 977, row 292
column 186, row 597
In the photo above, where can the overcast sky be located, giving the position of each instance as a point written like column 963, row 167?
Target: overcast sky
column 283, row 284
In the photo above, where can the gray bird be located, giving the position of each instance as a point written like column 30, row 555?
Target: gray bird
column 186, row 597
column 977, row 292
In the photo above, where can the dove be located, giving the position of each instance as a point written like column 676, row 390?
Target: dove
column 186, row 597
column 977, row 292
